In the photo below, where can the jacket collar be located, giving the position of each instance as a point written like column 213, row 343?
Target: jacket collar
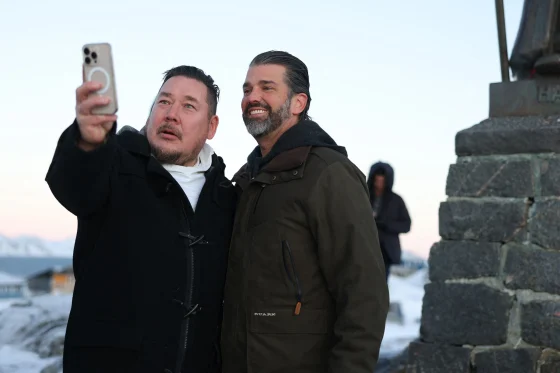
column 286, row 166
column 133, row 141
column 288, row 160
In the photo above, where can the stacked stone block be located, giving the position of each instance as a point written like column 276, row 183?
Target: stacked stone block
column 493, row 301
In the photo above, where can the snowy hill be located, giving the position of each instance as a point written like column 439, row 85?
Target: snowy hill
column 35, row 247
column 32, row 333
column 408, row 293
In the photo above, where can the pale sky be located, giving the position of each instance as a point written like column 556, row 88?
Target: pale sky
column 390, row 80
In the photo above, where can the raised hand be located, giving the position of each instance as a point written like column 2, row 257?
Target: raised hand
column 93, row 128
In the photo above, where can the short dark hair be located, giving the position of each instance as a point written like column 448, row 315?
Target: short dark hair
column 297, row 76
column 198, row 74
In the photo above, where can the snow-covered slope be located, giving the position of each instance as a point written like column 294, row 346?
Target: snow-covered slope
column 32, row 333
column 408, row 292
column 34, row 246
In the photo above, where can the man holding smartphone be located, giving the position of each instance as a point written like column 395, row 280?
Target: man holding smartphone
column 155, row 214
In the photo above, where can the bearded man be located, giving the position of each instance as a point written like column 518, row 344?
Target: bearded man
column 305, row 286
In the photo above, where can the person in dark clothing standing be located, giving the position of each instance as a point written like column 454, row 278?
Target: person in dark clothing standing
column 390, row 213
column 305, row 290
column 155, row 214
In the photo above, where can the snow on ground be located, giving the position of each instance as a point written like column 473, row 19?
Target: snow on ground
column 408, row 291
column 5, row 303
column 15, row 360
column 32, row 331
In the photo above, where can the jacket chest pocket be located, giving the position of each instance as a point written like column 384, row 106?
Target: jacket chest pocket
column 256, row 211
column 268, row 203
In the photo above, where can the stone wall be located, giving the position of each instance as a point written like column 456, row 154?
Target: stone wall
column 493, row 301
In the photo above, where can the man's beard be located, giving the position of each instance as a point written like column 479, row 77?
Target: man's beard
column 259, row 128
column 165, row 156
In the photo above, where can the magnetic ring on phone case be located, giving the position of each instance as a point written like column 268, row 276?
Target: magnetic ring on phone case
column 106, row 76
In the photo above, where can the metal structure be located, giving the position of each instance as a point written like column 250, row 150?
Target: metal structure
column 502, row 40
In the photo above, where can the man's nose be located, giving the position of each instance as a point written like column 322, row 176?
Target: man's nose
column 172, row 113
column 254, row 96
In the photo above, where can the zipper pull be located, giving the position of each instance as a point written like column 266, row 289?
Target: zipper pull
column 298, row 308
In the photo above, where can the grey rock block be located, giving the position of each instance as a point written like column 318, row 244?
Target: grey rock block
column 394, row 363
column 523, row 360
column 483, row 220
column 465, row 314
column 494, row 177
column 543, row 224
column 464, row 259
column 550, row 361
column 530, row 267
column 436, row 358
column 550, row 176
column 510, row 135
column 540, row 323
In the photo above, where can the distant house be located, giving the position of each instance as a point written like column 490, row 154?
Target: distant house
column 56, row 280
column 11, row 286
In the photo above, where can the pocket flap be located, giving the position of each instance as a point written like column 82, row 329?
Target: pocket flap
column 309, row 321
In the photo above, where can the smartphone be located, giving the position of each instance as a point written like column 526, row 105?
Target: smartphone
column 98, row 66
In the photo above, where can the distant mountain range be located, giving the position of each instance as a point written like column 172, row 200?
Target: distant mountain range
column 35, row 247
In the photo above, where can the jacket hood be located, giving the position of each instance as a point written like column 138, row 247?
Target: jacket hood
column 128, row 129
column 389, row 175
column 305, row 133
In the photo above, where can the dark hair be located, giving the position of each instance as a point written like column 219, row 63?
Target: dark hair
column 297, row 76
column 197, row 74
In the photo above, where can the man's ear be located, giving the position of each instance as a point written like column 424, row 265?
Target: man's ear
column 213, row 126
column 299, row 102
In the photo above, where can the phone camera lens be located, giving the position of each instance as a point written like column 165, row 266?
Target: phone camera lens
column 88, row 60
column 86, row 51
column 94, row 55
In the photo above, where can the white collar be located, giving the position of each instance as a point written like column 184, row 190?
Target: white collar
column 203, row 164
